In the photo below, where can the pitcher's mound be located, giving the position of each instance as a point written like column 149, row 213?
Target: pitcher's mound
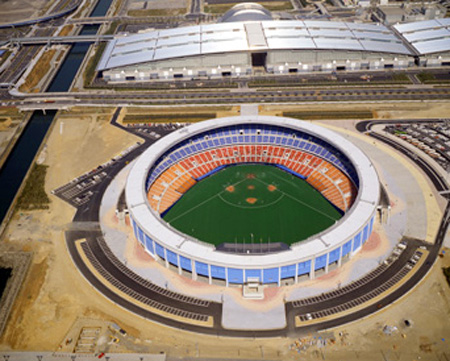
column 271, row 188
column 251, row 187
column 251, row 200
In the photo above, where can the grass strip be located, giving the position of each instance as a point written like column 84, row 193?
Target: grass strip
column 170, row 117
column 33, row 195
column 318, row 115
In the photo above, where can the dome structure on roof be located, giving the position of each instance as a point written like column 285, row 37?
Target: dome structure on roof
column 246, row 12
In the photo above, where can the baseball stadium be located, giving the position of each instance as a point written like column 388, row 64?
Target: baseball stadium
column 267, row 199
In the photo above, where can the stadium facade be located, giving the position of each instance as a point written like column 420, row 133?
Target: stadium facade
column 248, row 38
column 331, row 164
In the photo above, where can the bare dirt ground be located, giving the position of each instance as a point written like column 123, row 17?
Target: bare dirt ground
column 15, row 10
column 11, row 124
column 157, row 4
column 380, row 111
column 56, row 302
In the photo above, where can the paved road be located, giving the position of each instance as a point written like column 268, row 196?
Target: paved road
column 195, row 7
column 58, row 12
column 47, row 40
column 58, row 100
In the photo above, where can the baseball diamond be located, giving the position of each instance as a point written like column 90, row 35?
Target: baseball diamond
column 262, row 197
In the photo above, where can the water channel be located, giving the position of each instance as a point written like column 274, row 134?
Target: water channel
column 16, row 166
column 68, row 69
column 5, row 273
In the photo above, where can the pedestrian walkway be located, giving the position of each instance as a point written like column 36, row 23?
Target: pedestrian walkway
column 236, row 316
column 416, row 199
column 249, row 110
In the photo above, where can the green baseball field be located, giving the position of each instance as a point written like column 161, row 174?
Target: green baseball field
column 252, row 203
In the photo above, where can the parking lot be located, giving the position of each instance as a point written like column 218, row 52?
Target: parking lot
column 80, row 190
column 432, row 138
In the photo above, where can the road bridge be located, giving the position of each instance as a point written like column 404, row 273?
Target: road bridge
column 88, row 21
column 60, row 13
column 98, row 19
column 322, row 9
column 43, row 40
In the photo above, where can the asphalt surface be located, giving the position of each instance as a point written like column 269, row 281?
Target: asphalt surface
column 57, row 101
column 22, row 59
column 89, row 213
column 431, row 173
column 195, row 7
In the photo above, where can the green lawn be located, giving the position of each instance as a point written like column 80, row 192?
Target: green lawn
column 246, row 203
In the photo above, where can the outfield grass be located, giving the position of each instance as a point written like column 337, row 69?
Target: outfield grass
column 246, row 203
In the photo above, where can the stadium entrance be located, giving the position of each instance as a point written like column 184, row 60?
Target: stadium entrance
column 253, row 289
column 259, row 60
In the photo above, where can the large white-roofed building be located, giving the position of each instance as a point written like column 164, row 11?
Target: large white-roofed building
column 247, row 38
column 429, row 39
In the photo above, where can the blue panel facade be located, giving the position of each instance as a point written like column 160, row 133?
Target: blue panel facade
column 366, row 233
column 172, row 257
column 271, row 275
column 141, row 235
column 235, row 275
column 357, row 241
column 135, row 228
column 186, row 263
column 253, row 273
column 371, row 225
column 304, row 268
column 149, row 244
column 346, row 248
column 201, row 268
column 288, row 271
column 160, row 250
column 320, row 262
column 218, row 272
column 334, row 255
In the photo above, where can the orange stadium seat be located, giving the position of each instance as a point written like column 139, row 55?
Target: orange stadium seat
column 322, row 175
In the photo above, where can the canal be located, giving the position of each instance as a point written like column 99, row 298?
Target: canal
column 68, row 69
column 5, row 273
column 21, row 157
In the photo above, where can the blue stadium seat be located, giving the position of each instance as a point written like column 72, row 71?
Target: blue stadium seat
column 253, row 133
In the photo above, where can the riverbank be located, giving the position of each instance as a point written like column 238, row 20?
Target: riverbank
column 12, row 125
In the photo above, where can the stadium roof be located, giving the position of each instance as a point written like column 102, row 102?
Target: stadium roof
column 427, row 37
column 249, row 36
